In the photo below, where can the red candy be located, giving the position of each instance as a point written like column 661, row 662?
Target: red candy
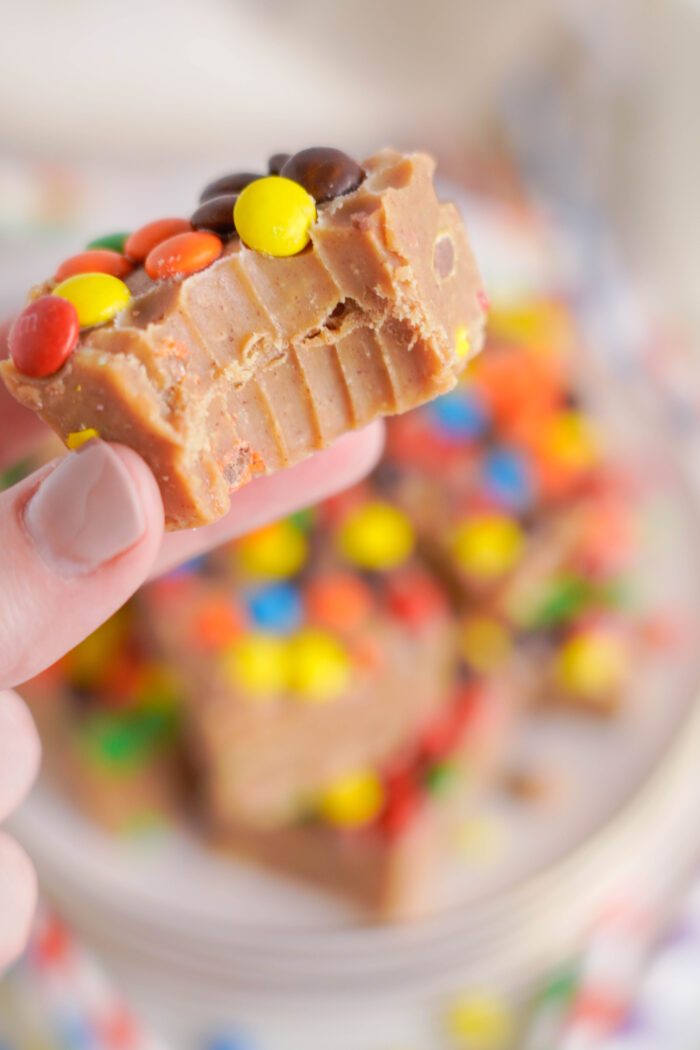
column 99, row 260
column 44, row 336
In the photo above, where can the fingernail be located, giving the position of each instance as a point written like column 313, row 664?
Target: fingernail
column 86, row 512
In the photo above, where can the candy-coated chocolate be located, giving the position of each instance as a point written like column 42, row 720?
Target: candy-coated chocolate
column 275, row 215
column 276, row 162
column 376, row 536
column 487, row 545
column 460, row 414
column 507, row 477
column 216, row 214
column 275, row 607
column 319, row 666
column 43, row 336
column 352, row 800
column 478, row 1021
column 141, row 242
column 112, row 241
column 258, row 663
column 273, row 552
column 326, row 173
column 97, row 297
column 591, row 665
column 338, row 601
column 77, row 438
column 183, row 254
column 440, row 777
column 98, row 260
column 233, row 183
column 485, row 642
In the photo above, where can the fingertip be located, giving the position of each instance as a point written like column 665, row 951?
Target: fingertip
column 20, row 751
column 18, row 897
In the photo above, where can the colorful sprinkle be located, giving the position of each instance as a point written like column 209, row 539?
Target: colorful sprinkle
column 376, row 536
column 97, row 297
column 275, row 215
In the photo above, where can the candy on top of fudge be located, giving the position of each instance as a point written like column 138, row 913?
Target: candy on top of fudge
column 288, row 309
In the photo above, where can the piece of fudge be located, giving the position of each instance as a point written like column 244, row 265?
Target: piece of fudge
column 331, row 731
column 218, row 357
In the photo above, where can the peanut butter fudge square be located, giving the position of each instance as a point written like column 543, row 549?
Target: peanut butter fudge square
column 289, row 309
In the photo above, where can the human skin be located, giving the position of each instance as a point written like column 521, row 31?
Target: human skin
column 78, row 537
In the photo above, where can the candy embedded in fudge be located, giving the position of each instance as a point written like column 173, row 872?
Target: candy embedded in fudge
column 289, row 309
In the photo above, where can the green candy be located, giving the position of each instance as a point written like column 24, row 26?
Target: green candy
column 440, row 777
column 566, row 599
column 114, row 241
column 122, row 742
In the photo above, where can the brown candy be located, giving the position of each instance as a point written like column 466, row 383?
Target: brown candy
column 325, row 173
column 233, row 183
column 216, row 214
column 276, row 162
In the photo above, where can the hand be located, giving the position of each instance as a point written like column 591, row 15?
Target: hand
column 79, row 536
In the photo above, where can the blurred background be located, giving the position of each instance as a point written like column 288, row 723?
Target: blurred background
column 566, row 131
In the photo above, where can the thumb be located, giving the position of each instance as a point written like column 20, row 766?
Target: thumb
column 78, row 538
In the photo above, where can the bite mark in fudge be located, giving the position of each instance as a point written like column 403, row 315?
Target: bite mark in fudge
column 252, row 363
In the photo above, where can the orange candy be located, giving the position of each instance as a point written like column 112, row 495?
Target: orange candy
column 183, row 254
column 217, row 623
column 338, row 601
column 142, row 241
column 99, row 260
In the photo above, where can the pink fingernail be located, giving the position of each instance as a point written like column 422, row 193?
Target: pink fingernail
column 86, row 512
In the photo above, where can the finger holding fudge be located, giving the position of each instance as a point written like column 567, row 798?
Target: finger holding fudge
column 289, row 309
column 79, row 537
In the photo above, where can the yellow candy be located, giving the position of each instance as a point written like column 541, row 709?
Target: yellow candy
column 488, row 545
column 77, row 438
column 352, row 800
column 274, row 215
column 376, row 536
column 591, row 665
column 569, row 438
column 485, row 642
column 274, row 552
column 88, row 659
column 97, row 297
column 462, row 344
column 258, row 663
column 319, row 667
column 480, row 1022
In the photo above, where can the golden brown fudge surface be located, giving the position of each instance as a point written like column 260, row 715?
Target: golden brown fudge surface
column 255, row 362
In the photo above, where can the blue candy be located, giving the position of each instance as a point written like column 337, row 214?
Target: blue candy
column 459, row 414
column 229, row 1041
column 275, row 607
column 507, row 476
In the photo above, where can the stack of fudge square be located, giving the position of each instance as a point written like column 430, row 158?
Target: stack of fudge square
column 330, row 696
